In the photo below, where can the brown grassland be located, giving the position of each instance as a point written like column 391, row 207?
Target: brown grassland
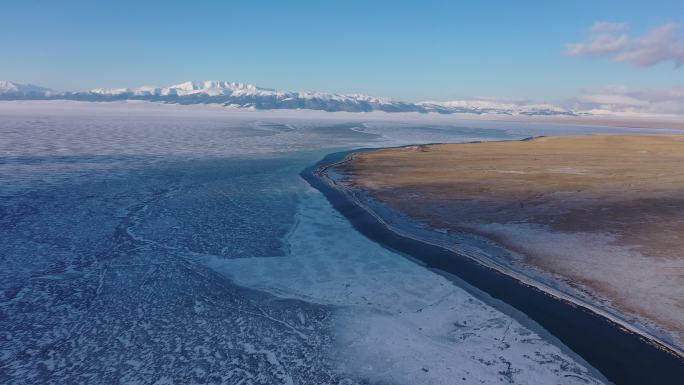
column 605, row 213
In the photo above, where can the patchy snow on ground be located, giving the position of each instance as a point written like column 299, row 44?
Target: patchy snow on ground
column 594, row 256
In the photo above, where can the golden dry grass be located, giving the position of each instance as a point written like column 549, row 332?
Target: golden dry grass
column 620, row 197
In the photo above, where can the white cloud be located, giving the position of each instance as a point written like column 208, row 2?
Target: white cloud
column 598, row 45
column 661, row 44
column 626, row 100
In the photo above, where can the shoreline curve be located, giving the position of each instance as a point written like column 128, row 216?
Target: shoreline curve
column 634, row 344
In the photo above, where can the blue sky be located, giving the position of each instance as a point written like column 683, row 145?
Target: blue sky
column 410, row 50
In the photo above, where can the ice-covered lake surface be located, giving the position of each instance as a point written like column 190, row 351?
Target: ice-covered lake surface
column 157, row 244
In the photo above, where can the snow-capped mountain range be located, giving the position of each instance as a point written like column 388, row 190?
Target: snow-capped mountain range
column 243, row 95
column 10, row 90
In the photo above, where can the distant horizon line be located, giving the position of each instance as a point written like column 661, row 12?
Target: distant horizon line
column 616, row 100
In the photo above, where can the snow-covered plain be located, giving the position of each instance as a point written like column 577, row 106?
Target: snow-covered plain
column 156, row 244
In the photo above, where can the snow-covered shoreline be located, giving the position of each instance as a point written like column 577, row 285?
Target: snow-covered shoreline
column 472, row 245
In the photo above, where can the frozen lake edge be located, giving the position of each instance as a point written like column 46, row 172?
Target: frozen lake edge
column 636, row 351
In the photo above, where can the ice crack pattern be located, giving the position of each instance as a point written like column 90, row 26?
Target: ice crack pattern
column 166, row 245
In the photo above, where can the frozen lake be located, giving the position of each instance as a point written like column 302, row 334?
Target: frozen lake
column 158, row 244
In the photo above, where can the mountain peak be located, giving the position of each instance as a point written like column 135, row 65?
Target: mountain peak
column 211, row 87
column 12, row 87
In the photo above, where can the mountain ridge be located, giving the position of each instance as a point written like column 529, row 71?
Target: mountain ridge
column 245, row 95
